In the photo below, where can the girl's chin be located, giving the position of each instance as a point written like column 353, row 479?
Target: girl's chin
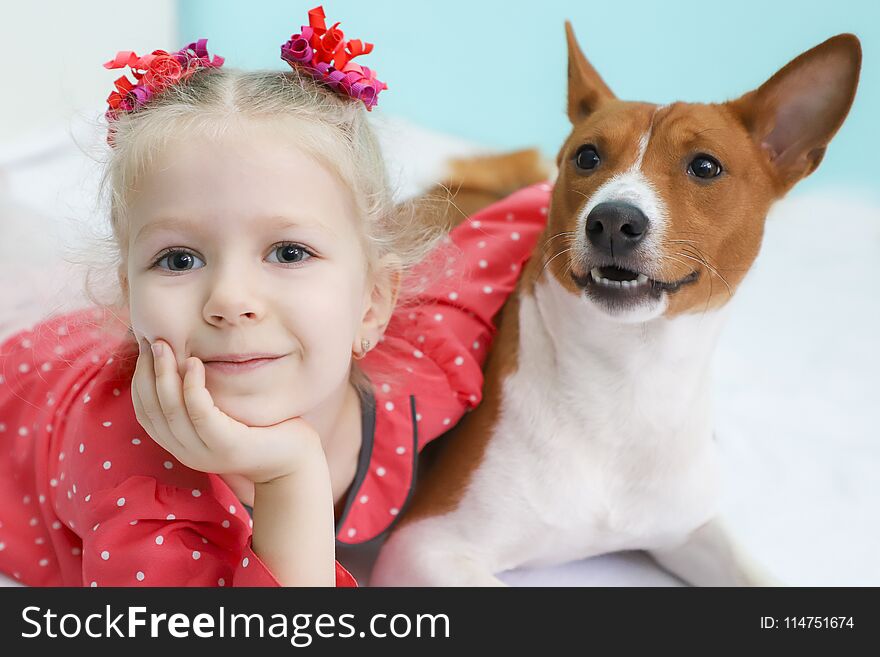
column 255, row 412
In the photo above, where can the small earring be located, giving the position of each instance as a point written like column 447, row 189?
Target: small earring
column 365, row 347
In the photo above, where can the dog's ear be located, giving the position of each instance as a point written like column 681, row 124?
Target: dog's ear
column 586, row 89
column 794, row 115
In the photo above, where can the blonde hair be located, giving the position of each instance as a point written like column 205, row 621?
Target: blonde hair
column 331, row 128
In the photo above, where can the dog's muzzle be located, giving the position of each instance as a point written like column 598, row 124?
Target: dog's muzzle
column 615, row 228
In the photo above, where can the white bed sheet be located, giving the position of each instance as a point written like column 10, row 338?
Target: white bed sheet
column 796, row 370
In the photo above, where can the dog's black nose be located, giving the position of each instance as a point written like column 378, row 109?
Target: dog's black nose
column 615, row 228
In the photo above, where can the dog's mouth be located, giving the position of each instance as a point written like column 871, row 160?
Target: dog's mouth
column 621, row 285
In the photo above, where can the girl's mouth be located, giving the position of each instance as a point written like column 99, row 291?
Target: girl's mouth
column 244, row 366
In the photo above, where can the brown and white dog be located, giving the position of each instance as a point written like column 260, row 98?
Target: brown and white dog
column 595, row 430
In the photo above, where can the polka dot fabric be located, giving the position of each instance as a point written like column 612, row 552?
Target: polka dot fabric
column 87, row 498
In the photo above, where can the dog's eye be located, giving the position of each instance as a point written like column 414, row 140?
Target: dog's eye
column 586, row 158
column 704, row 166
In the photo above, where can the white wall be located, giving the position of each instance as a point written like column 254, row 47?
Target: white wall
column 53, row 53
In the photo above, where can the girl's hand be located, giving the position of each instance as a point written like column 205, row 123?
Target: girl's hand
column 181, row 417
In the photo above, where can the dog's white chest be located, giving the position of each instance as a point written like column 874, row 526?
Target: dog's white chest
column 606, row 448
column 588, row 487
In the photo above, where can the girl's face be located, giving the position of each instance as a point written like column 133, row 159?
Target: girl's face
column 248, row 245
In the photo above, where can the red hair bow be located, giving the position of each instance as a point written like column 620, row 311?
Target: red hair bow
column 325, row 55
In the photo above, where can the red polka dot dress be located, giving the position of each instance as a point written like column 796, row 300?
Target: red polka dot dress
column 87, row 498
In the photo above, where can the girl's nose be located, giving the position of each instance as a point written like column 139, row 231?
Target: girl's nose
column 232, row 300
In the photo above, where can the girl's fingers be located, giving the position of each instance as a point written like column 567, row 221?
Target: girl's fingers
column 139, row 409
column 181, row 415
column 169, row 389
column 144, row 386
column 207, row 420
column 143, row 420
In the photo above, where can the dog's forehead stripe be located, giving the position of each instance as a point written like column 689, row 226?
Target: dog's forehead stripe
column 645, row 138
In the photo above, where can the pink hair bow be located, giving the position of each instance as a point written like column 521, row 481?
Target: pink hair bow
column 154, row 73
column 326, row 56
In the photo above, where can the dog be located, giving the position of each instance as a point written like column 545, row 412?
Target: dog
column 595, row 431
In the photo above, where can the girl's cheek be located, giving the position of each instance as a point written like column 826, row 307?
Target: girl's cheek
column 147, row 320
column 331, row 313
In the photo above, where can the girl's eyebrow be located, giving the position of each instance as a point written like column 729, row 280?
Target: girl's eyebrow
column 278, row 221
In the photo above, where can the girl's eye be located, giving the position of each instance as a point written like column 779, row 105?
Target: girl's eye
column 178, row 260
column 182, row 260
column 290, row 253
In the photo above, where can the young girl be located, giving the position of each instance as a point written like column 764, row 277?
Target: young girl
column 256, row 390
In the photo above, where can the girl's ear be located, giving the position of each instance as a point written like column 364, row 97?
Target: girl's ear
column 122, row 274
column 380, row 302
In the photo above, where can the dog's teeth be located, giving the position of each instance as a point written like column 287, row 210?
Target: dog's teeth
column 640, row 279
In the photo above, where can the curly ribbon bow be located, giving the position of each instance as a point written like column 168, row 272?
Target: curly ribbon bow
column 154, row 73
column 325, row 55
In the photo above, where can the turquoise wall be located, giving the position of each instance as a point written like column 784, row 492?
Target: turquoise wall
column 494, row 71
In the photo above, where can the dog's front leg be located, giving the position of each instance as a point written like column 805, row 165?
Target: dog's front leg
column 711, row 557
column 424, row 554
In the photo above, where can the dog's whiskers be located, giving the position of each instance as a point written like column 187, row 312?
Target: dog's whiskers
column 711, row 287
column 569, row 236
column 703, row 262
column 547, row 264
